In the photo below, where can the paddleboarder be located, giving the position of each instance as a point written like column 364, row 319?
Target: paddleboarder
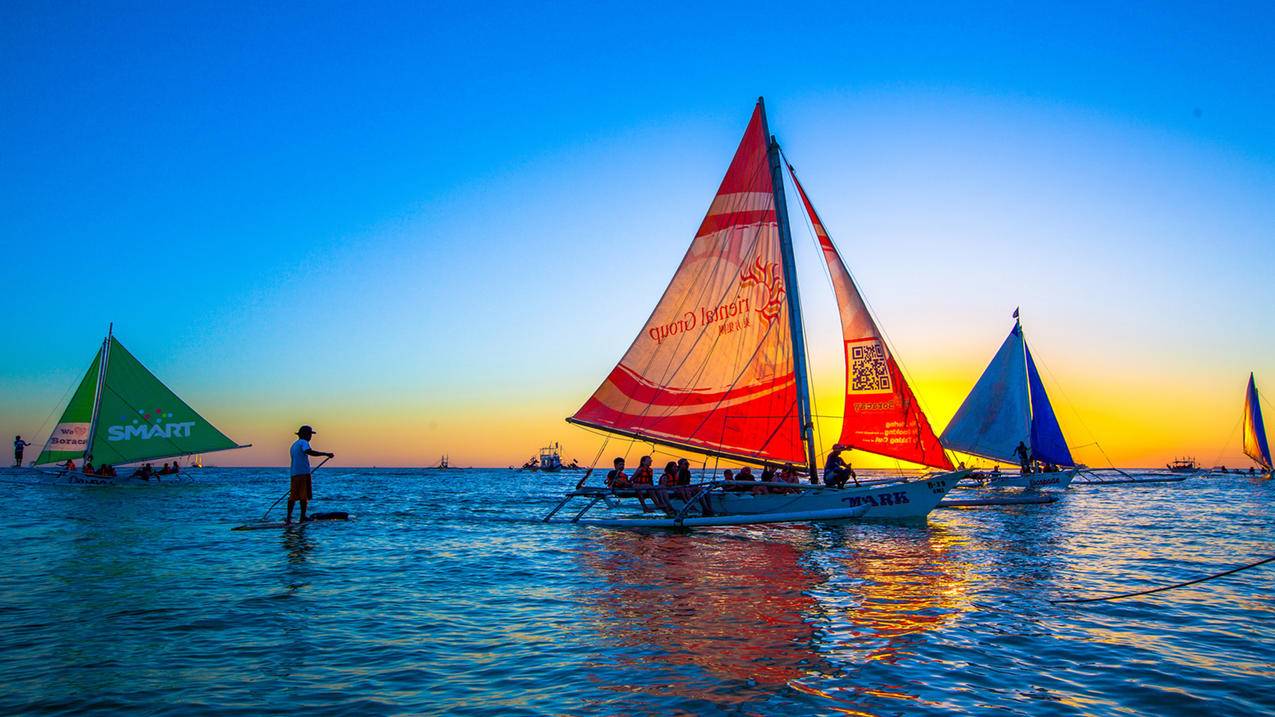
column 301, row 488
column 18, row 446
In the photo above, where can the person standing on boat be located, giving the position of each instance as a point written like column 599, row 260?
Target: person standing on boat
column 301, row 488
column 1024, row 458
column 18, row 446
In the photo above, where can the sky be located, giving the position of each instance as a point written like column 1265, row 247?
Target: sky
column 434, row 228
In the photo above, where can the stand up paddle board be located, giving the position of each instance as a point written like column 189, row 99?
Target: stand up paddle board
column 277, row 524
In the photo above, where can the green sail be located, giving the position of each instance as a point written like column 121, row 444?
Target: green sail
column 140, row 419
column 71, row 435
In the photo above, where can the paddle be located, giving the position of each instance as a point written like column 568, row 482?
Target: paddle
column 287, row 492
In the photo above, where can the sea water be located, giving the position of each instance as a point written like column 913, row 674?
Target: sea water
column 444, row 594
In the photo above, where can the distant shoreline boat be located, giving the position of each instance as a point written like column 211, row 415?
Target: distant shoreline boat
column 444, row 464
column 122, row 414
column 1183, row 465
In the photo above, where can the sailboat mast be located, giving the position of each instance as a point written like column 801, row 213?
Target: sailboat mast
column 97, row 394
column 794, row 296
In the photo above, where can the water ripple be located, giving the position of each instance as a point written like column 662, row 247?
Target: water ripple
column 445, row 595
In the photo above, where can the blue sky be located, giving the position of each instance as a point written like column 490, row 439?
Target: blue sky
column 437, row 227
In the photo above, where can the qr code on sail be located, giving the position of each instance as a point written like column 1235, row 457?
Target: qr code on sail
column 869, row 370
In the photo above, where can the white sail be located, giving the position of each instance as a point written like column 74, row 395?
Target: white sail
column 996, row 416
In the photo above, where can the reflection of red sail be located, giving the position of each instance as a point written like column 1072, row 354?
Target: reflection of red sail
column 712, row 370
column 881, row 413
column 736, row 611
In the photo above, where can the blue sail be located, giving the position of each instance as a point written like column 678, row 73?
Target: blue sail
column 1255, row 445
column 996, row 416
column 1047, row 442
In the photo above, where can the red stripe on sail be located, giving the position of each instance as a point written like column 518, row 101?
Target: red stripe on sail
column 634, row 388
column 754, row 426
column 718, row 222
column 881, row 414
column 713, row 366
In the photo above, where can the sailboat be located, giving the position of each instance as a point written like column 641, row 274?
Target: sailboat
column 1008, row 408
column 121, row 413
column 1255, row 445
column 719, row 368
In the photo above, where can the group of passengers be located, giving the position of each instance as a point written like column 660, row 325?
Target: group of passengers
column 765, row 483
column 146, row 471
column 674, row 481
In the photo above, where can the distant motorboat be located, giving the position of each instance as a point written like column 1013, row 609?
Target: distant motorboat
column 1183, row 465
column 443, row 465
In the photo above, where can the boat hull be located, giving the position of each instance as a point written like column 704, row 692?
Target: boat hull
column 1056, row 480
column 901, row 500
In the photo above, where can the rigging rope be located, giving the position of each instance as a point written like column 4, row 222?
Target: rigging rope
column 47, row 418
column 1166, row 587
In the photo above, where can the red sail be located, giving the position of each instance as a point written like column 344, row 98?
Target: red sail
column 712, row 370
column 881, row 414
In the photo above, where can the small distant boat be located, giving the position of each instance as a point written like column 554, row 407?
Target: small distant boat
column 1255, row 443
column 120, row 414
column 1183, row 465
column 551, row 458
column 443, row 465
column 1008, row 407
column 720, row 369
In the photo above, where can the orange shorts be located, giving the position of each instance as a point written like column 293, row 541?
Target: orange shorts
column 300, row 488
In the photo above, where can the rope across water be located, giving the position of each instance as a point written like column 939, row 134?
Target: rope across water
column 1166, row 587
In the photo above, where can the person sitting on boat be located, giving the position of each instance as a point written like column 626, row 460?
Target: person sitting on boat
column 643, row 481
column 836, row 471
column 683, row 472
column 88, row 468
column 767, row 476
column 1024, row 458
column 69, row 465
column 668, row 486
column 996, row 471
column 107, row 470
column 789, row 475
column 616, row 478
column 144, row 471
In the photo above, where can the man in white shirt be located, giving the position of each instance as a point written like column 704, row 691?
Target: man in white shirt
column 301, row 488
column 18, row 446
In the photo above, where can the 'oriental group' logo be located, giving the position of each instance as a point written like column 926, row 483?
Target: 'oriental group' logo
column 767, row 276
column 148, row 425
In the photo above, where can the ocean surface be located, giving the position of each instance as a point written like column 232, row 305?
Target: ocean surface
column 445, row 594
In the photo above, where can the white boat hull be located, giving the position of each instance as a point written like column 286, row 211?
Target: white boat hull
column 881, row 501
column 1056, row 480
column 721, row 520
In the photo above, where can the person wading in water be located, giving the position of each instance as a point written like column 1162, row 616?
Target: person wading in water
column 301, row 488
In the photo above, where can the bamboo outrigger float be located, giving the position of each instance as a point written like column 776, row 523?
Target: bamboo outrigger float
column 720, row 369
